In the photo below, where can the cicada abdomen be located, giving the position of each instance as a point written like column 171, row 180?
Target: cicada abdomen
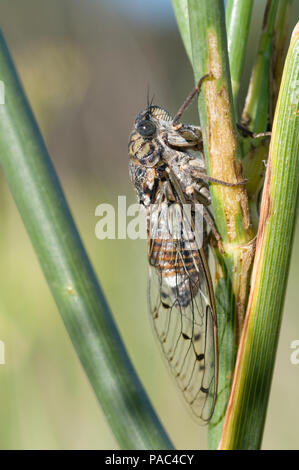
column 174, row 250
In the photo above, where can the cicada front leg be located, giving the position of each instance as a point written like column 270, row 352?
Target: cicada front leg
column 190, row 97
column 182, row 135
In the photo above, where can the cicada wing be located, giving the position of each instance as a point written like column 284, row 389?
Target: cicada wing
column 184, row 320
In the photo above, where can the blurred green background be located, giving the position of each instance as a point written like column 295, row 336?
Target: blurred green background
column 85, row 67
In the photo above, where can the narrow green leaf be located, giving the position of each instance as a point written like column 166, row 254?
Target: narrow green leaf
column 280, row 43
column 244, row 423
column 238, row 16
column 182, row 16
column 79, row 298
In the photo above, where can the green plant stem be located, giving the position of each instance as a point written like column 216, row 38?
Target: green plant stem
column 230, row 205
column 238, row 16
column 256, row 111
column 244, row 422
column 261, row 98
column 79, row 298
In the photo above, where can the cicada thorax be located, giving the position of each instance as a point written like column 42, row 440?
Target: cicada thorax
column 158, row 113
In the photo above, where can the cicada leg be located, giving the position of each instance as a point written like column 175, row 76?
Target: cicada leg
column 203, row 176
column 211, row 223
column 253, row 135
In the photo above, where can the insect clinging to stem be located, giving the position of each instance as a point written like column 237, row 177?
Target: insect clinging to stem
column 171, row 183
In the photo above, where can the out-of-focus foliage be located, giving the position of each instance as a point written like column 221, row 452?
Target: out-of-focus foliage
column 85, row 69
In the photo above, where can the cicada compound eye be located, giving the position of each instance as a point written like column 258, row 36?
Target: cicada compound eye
column 146, row 128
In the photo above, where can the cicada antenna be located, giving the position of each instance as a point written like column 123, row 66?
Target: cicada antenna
column 149, row 102
column 147, row 96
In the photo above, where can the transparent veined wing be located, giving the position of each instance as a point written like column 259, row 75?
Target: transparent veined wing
column 182, row 310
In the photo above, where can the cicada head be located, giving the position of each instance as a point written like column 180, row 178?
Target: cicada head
column 144, row 144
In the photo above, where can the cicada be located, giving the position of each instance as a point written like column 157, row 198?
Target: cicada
column 167, row 169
